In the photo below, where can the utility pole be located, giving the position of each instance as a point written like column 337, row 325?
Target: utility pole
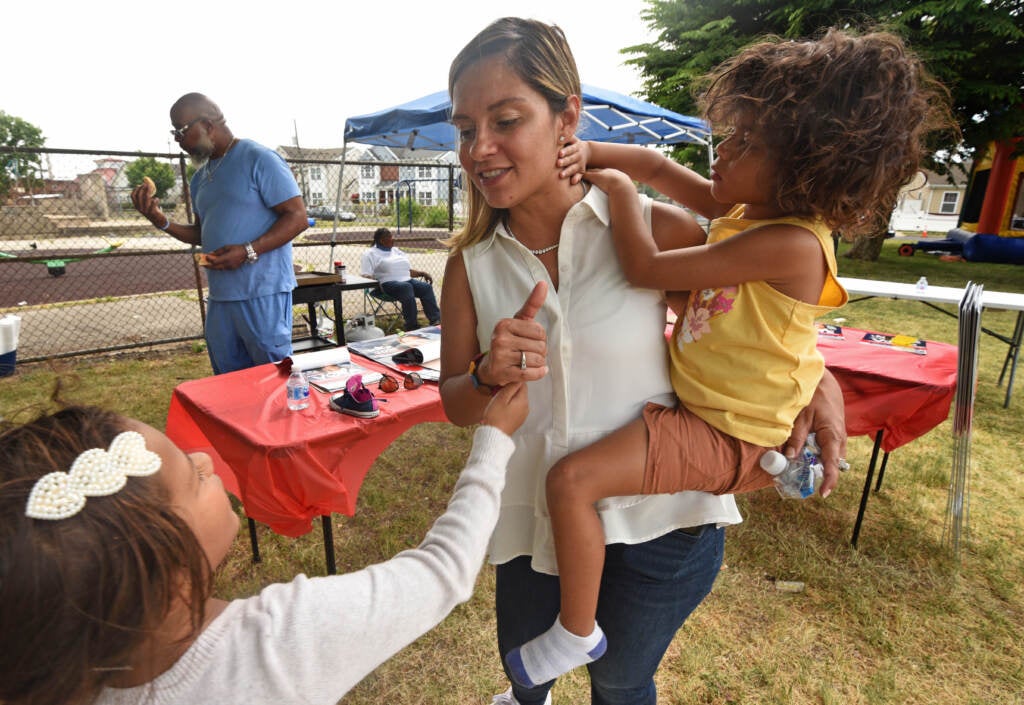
column 302, row 167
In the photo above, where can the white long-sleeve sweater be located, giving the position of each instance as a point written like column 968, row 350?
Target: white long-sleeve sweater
column 313, row 639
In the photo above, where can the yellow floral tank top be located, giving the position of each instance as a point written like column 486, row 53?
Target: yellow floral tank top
column 745, row 358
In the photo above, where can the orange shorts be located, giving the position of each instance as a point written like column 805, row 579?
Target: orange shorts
column 684, row 452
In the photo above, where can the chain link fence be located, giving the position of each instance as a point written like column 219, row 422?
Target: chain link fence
column 87, row 274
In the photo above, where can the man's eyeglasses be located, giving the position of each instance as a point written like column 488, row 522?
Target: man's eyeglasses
column 179, row 132
column 389, row 384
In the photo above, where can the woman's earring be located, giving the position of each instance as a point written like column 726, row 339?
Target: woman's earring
column 561, row 138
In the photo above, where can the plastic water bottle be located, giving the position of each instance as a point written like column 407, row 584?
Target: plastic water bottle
column 297, row 388
column 797, row 478
column 922, row 284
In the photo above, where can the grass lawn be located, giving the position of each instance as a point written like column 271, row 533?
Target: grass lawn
column 897, row 621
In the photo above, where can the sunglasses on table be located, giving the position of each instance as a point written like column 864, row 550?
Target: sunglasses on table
column 389, row 383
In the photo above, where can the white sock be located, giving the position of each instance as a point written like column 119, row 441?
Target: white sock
column 553, row 653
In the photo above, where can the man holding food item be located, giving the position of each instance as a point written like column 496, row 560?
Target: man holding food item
column 248, row 209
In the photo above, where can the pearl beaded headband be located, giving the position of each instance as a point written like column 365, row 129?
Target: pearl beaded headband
column 95, row 473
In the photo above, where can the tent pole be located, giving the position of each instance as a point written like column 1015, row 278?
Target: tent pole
column 337, row 197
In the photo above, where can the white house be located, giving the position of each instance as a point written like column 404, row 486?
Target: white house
column 374, row 176
column 427, row 184
column 401, row 173
column 318, row 172
column 930, row 203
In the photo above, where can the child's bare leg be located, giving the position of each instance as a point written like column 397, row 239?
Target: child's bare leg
column 610, row 467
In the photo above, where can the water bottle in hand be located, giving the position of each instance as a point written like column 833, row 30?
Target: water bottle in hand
column 797, row 478
column 297, row 387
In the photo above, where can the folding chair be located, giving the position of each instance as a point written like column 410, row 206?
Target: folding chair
column 380, row 304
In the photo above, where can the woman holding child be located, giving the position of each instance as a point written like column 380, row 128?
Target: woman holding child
column 591, row 347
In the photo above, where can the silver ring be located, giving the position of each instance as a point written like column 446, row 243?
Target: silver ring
column 843, row 465
column 522, row 360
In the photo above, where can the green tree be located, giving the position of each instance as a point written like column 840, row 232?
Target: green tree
column 15, row 166
column 161, row 173
column 975, row 47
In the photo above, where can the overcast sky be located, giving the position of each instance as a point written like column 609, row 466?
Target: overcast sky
column 102, row 75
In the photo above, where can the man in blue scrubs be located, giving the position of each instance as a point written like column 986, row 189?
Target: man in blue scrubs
column 248, row 210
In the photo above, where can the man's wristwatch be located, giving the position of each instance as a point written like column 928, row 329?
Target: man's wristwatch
column 250, row 253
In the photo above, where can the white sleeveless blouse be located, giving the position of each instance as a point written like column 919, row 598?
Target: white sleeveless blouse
column 607, row 357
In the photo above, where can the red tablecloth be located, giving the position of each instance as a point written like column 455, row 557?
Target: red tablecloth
column 286, row 466
column 895, row 391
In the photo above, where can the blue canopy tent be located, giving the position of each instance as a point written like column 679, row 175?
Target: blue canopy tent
column 607, row 117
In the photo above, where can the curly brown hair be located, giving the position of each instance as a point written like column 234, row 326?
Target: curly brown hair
column 82, row 595
column 843, row 117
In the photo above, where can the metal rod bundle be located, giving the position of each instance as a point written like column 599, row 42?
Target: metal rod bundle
column 955, row 532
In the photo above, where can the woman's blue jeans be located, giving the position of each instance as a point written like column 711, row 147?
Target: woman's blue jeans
column 647, row 592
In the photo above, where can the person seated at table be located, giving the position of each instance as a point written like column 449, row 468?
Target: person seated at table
column 390, row 266
column 109, row 538
column 743, row 355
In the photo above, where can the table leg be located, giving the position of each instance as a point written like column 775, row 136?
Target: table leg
column 881, row 472
column 867, row 488
column 314, row 329
column 254, row 541
column 332, row 567
column 339, row 318
column 325, row 520
column 1011, row 358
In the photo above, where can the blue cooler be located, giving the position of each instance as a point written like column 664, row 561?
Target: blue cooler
column 9, row 327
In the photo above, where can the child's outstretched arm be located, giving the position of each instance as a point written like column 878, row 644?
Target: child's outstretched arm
column 330, row 632
column 647, row 166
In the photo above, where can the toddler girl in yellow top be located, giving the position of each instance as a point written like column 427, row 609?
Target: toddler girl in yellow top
column 821, row 135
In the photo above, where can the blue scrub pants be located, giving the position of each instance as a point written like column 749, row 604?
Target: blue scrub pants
column 250, row 332
column 647, row 592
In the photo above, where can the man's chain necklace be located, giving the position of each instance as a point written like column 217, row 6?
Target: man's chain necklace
column 211, row 171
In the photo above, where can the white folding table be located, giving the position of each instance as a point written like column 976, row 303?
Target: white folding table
column 934, row 295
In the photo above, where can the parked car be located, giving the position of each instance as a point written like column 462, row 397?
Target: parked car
column 327, row 213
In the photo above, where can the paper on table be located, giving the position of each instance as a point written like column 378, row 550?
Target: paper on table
column 328, row 370
column 320, row 358
column 428, row 352
column 830, row 330
column 917, row 346
column 397, row 353
column 333, row 377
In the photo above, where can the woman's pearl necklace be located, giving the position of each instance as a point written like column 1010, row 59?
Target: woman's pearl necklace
column 549, row 248
column 542, row 250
